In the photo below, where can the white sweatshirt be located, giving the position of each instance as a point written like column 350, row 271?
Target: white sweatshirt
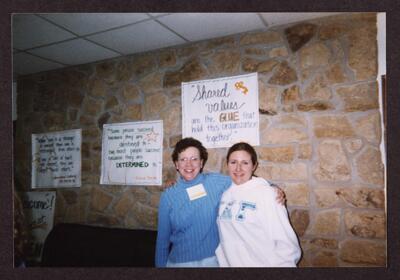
column 254, row 229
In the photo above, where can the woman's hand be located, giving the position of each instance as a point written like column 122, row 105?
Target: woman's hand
column 280, row 194
column 168, row 184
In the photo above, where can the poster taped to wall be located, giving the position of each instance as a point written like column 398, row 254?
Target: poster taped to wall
column 132, row 153
column 56, row 159
column 221, row 112
column 39, row 214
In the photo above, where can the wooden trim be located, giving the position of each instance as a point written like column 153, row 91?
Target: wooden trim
column 384, row 105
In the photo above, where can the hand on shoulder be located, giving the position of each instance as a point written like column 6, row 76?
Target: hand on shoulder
column 280, row 194
column 167, row 184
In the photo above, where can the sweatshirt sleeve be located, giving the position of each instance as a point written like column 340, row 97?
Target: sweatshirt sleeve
column 287, row 249
column 163, row 233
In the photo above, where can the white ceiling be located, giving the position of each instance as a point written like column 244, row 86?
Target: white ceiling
column 43, row 42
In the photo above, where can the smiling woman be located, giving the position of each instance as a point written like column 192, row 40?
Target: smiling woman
column 254, row 229
column 189, row 163
column 241, row 167
column 187, row 232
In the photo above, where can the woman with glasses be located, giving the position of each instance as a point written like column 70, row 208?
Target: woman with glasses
column 187, row 230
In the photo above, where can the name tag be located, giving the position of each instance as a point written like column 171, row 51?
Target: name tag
column 196, row 192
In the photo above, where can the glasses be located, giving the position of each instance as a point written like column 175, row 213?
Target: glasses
column 191, row 159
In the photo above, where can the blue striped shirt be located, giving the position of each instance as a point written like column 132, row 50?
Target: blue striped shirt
column 187, row 229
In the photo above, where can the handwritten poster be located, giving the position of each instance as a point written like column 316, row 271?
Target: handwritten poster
column 39, row 214
column 56, row 159
column 221, row 112
column 132, row 153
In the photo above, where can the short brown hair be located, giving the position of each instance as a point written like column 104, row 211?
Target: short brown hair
column 187, row 142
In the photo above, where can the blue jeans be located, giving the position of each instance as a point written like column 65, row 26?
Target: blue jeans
column 207, row 262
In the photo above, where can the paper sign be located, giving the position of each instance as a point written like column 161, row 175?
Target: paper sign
column 221, row 112
column 132, row 153
column 56, row 159
column 39, row 214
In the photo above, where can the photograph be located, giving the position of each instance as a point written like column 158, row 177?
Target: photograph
column 199, row 140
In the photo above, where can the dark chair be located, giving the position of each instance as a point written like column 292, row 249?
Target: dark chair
column 92, row 246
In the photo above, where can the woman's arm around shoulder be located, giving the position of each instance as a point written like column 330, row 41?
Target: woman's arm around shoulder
column 220, row 180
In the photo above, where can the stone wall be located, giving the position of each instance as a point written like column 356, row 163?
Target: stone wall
column 320, row 129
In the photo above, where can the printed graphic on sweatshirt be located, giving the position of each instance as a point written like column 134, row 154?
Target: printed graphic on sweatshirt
column 227, row 213
column 243, row 207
